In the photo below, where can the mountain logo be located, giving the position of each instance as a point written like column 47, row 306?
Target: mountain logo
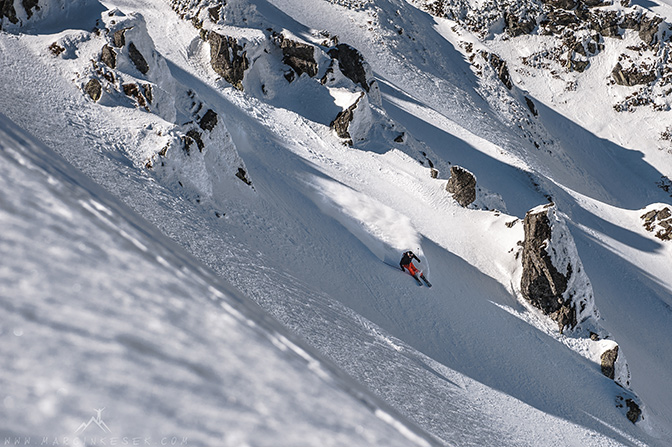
column 98, row 420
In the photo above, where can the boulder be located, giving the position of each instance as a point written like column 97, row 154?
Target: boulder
column 299, row 56
column 28, row 5
column 500, row 67
column 351, row 63
column 659, row 221
column 7, row 10
column 119, row 38
column 631, row 76
column 516, row 26
column 608, row 362
column 462, row 185
column 227, row 59
column 634, row 412
column 343, row 120
column 108, row 56
column 542, row 283
column 133, row 90
column 137, row 58
column 94, row 89
column 648, row 29
column 209, row 120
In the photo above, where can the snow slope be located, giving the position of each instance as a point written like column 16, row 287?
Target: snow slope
column 465, row 360
column 99, row 310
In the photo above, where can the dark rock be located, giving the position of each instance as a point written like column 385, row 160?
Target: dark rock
column 28, row 5
column 606, row 23
column 530, row 105
column 593, row 3
column 214, row 13
column 119, row 38
column 56, row 49
column 577, row 65
column 631, row 77
column 648, row 29
column 227, row 59
column 7, row 10
column 500, row 67
column 516, row 26
column 137, row 58
column 399, row 138
column 196, row 136
column 108, row 56
column 542, row 284
column 147, row 90
column 133, row 90
column 634, row 412
column 94, row 89
column 351, row 63
column 462, row 185
column 242, row 175
column 342, row 122
column 561, row 4
column 557, row 21
column 290, row 75
column 608, row 361
column 209, row 120
column 299, row 56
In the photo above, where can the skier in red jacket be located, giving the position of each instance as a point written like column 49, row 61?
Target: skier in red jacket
column 406, row 263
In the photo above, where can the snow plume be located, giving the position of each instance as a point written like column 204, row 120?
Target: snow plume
column 383, row 230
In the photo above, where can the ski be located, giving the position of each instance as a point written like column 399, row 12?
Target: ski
column 417, row 280
column 429, row 284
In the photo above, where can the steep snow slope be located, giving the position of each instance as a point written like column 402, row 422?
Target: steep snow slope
column 99, row 310
column 310, row 236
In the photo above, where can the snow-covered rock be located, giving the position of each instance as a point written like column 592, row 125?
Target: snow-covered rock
column 553, row 277
column 462, row 185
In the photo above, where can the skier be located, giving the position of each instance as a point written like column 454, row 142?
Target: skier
column 406, row 263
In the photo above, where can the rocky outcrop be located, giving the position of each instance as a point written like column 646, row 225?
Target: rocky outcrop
column 108, row 56
column 137, row 58
column 94, row 89
column 499, row 65
column 462, row 185
column 543, row 283
column 351, row 63
column 300, row 56
column 7, row 11
column 343, row 120
column 119, row 38
column 137, row 92
column 208, row 121
column 633, row 75
column 581, row 29
column 608, row 362
column 228, row 59
column 659, row 221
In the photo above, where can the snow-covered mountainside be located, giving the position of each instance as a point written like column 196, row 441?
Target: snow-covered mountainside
column 259, row 167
